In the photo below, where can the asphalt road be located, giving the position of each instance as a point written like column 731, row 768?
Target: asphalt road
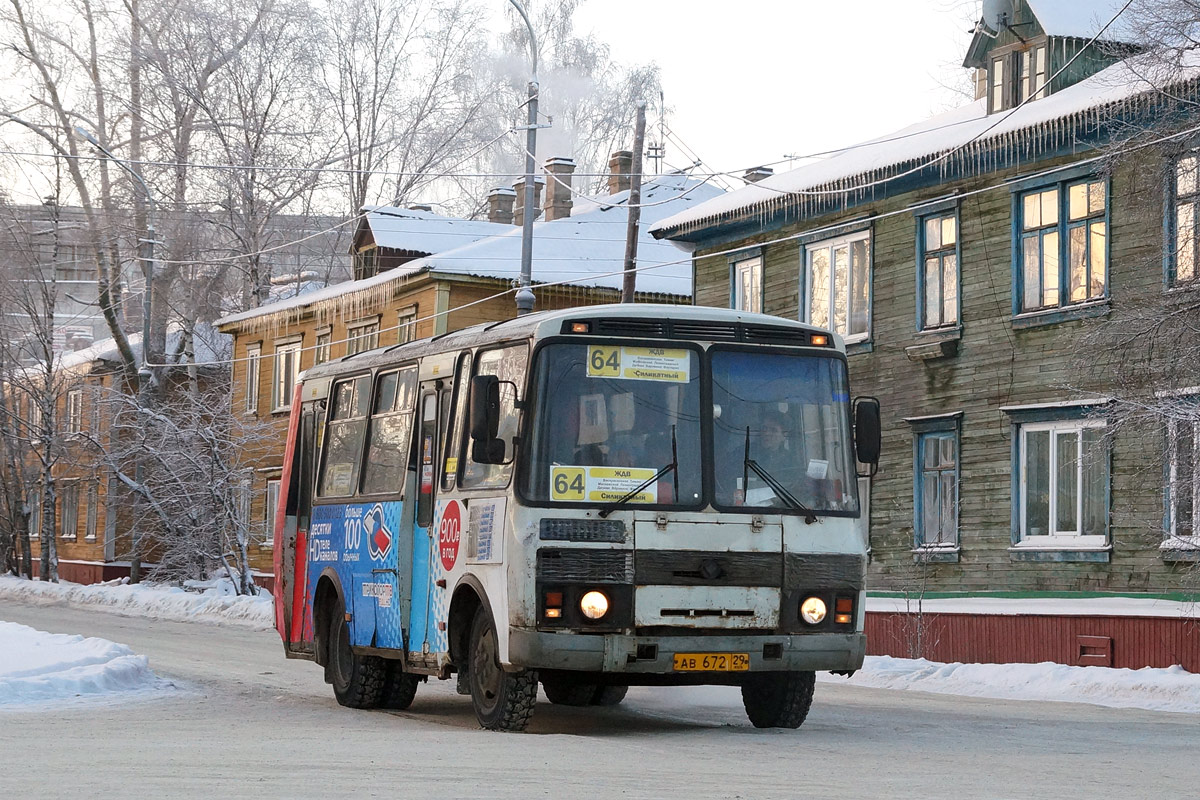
column 245, row 722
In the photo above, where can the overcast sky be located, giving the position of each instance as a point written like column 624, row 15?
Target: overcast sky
column 750, row 81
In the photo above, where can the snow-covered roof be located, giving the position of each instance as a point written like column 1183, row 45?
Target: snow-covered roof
column 425, row 231
column 1081, row 18
column 587, row 249
column 963, row 134
column 209, row 344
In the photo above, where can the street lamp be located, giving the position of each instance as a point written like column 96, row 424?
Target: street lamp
column 525, row 296
column 147, row 258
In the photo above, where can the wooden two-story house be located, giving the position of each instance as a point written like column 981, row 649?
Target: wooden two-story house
column 997, row 273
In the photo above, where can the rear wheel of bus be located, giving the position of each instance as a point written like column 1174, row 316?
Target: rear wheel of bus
column 503, row 701
column 778, row 699
column 357, row 680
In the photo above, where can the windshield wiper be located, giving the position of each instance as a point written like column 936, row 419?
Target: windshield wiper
column 672, row 467
column 770, row 480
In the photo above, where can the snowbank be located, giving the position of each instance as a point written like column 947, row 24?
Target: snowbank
column 212, row 601
column 1073, row 606
column 38, row 668
column 1151, row 689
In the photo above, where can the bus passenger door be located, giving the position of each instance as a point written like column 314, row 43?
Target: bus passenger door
column 425, row 441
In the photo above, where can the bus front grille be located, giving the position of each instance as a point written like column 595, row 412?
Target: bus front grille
column 585, row 566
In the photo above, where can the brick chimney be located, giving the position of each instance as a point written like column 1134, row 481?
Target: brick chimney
column 519, row 205
column 558, row 187
column 500, row 205
column 620, row 169
column 756, row 174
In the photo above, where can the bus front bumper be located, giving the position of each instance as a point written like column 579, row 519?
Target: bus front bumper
column 619, row 653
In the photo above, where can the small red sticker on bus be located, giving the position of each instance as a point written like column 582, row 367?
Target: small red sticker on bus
column 449, row 534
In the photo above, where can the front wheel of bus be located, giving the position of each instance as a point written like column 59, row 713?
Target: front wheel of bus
column 503, row 701
column 357, row 680
column 778, row 699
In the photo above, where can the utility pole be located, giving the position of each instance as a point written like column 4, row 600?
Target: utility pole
column 525, row 298
column 629, row 280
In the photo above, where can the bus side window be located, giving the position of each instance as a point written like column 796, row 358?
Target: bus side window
column 508, row 364
column 454, row 422
column 344, row 437
column 386, row 458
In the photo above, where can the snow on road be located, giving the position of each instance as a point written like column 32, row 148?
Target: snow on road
column 212, row 602
column 1150, row 689
column 39, row 669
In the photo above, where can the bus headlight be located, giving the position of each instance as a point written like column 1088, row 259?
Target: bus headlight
column 594, row 605
column 813, row 610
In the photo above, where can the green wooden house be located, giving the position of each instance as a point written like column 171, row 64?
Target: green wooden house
column 991, row 271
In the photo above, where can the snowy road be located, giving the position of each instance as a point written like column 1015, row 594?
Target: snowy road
column 251, row 722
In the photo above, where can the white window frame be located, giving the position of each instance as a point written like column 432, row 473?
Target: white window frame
column 1055, row 539
column 406, row 325
column 362, row 336
column 75, row 410
column 748, row 277
column 35, row 514
column 322, row 346
column 831, row 245
column 93, row 500
column 68, row 512
column 1172, row 540
column 270, row 501
column 253, row 370
column 285, row 374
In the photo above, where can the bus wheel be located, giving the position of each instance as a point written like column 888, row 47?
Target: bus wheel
column 778, row 699
column 399, row 687
column 503, row 701
column 609, row 695
column 357, row 680
column 569, row 693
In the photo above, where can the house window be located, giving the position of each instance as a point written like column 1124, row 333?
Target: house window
column 93, row 501
column 1187, row 220
column 268, row 525
column 253, row 357
column 1063, row 471
column 839, row 285
column 1183, row 486
column 406, row 325
column 1063, row 245
column 998, row 93
column 321, row 348
column 68, row 513
column 1032, row 75
column 35, row 514
column 287, row 370
column 35, row 419
column 936, row 512
column 75, row 411
column 938, row 275
column 747, row 284
column 366, row 263
column 363, row 337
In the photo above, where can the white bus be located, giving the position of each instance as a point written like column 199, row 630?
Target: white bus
column 589, row 498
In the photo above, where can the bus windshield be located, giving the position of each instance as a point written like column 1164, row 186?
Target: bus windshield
column 787, row 415
column 608, row 419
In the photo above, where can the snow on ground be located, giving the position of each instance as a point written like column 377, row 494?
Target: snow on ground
column 1082, row 606
column 39, row 669
column 211, row 601
column 1151, row 689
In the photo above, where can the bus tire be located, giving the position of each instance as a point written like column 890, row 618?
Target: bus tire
column 569, row 693
column 503, row 701
column 399, row 687
column 609, row 695
column 357, row 680
column 778, row 699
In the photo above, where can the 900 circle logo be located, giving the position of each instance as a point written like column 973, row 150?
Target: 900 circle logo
column 450, row 534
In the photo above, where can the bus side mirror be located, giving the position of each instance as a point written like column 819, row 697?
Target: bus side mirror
column 868, row 432
column 486, row 448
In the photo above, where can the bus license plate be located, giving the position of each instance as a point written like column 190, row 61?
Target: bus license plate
column 712, row 662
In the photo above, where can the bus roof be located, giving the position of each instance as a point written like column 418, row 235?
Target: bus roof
column 635, row 320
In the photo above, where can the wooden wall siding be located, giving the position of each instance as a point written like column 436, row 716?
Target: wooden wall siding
column 996, row 366
column 1135, row 642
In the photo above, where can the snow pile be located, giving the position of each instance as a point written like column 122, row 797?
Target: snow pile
column 209, row 601
column 37, row 668
column 1151, row 689
column 1042, row 606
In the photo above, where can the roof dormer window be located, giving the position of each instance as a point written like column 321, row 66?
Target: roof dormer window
column 1017, row 75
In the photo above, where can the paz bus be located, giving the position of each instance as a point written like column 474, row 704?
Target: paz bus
column 588, row 499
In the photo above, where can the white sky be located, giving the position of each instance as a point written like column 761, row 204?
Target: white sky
column 751, row 81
